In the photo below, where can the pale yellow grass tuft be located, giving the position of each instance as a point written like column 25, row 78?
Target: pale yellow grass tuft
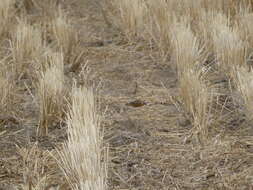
column 207, row 23
column 50, row 59
column 195, row 95
column 229, row 48
column 26, row 47
column 64, row 33
column 244, row 24
column 131, row 18
column 6, row 14
column 80, row 157
column 46, row 7
column 51, row 93
column 187, row 51
column 244, row 84
column 161, row 17
column 7, row 93
column 35, row 164
column 218, row 5
column 197, row 98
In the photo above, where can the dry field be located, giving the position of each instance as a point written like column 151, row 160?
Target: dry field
column 126, row 94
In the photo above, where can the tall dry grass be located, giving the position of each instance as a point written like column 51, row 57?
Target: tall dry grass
column 35, row 163
column 80, row 156
column 229, row 48
column 155, row 16
column 63, row 33
column 244, row 85
column 26, row 46
column 32, row 55
column 197, row 98
column 187, row 52
column 244, row 27
column 195, row 95
column 161, row 17
column 51, row 94
column 8, row 92
column 47, row 7
column 7, row 13
column 130, row 16
column 10, row 96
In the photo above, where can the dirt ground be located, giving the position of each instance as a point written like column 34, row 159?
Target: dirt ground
column 149, row 138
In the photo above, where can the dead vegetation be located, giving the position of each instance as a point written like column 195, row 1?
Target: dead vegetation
column 206, row 41
column 80, row 158
column 185, row 66
column 26, row 46
column 33, row 76
column 52, row 94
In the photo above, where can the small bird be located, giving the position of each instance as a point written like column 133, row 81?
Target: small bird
column 137, row 103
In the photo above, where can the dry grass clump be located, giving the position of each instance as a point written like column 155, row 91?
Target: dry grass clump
column 244, row 26
column 47, row 6
column 130, row 17
column 26, row 46
column 51, row 58
column 136, row 18
column 187, row 51
column 28, row 4
column 196, row 98
column 64, row 37
column 195, row 95
column 161, row 17
column 35, row 164
column 230, row 50
column 63, row 33
column 206, row 24
column 80, row 157
column 155, row 17
column 226, row 6
column 51, row 93
column 6, row 14
column 244, row 84
column 7, row 93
